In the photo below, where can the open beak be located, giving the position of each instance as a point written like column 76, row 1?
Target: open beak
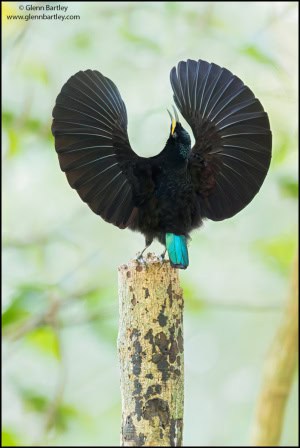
column 176, row 114
column 174, row 121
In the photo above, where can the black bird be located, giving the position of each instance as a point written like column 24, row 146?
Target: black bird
column 168, row 195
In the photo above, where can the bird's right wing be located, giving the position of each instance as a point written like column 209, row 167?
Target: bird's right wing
column 233, row 141
column 90, row 130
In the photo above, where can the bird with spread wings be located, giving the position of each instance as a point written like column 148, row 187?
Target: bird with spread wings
column 168, row 195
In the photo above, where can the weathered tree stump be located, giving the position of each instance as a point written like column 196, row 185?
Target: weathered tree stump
column 150, row 344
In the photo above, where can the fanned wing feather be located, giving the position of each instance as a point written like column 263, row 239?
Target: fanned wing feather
column 90, row 130
column 233, row 141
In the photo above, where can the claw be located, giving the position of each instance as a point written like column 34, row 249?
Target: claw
column 162, row 259
column 141, row 260
column 162, row 256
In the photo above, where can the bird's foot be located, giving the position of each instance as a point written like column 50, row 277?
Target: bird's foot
column 161, row 258
column 140, row 259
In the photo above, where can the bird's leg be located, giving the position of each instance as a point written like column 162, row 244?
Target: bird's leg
column 162, row 256
column 140, row 257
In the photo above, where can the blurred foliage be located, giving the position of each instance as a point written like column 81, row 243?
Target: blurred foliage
column 46, row 340
column 27, row 300
column 254, row 52
column 279, row 252
column 60, row 305
column 289, row 187
column 40, row 404
column 34, row 401
column 9, row 438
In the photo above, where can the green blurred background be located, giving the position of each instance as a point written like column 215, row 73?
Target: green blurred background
column 60, row 303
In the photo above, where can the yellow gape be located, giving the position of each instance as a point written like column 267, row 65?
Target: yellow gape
column 173, row 126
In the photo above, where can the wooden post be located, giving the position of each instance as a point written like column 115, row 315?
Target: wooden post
column 150, row 345
column 278, row 374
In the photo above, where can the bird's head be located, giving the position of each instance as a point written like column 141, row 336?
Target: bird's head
column 179, row 137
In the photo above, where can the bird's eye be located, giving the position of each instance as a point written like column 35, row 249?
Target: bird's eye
column 174, row 135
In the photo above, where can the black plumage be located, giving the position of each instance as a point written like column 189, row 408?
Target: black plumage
column 172, row 192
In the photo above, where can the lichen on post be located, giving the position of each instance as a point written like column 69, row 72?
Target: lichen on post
column 150, row 345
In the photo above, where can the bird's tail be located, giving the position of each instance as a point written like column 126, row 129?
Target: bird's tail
column 177, row 249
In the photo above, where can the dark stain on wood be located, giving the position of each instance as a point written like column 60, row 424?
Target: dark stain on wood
column 173, row 351
column 130, row 435
column 169, row 292
column 157, row 408
column 161, row 341
column 162, row 318
column 141, row 440
column 138, row 407
column 165, row 350
column 149, row 336
column 179, row 299
column 155, row 389
column 136, row 358
column 137, row 387
column 161, row 356
column 180, row 340
column 129, row 431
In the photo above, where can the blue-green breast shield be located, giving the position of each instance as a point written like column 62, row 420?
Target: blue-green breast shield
column 177, row 249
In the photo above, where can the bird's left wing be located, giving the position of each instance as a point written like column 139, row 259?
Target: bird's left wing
column 90, row 130
column 232, row 150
